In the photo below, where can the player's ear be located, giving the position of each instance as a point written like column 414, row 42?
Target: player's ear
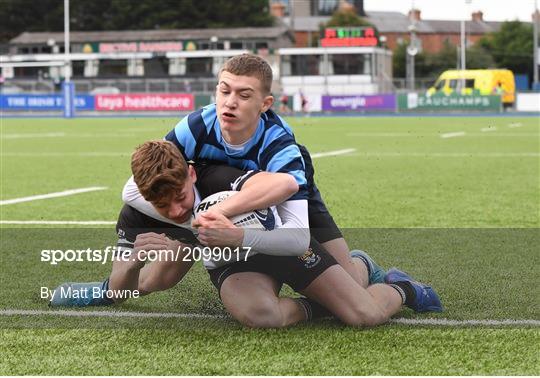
column 192, row 174
column 267, row 103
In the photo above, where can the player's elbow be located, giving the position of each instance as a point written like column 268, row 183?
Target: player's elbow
column 290, row 186
column 125, row 196
column 301, row 241
column 130, row 191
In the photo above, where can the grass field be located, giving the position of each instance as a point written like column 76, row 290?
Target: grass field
column 455, row 201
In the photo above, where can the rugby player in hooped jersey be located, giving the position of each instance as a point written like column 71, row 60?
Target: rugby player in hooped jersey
column 242, row 131
column 249, row 289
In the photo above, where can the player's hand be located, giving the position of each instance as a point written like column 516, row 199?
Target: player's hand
column 148, row 245
column 218, row 209
column 215, row 230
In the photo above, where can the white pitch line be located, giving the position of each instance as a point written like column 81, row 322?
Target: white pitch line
column 453, row 135
column 471, row 322
column 333, row 153
column 52, row 195
column 449, row 154
column 37, row 135
column 488, row 129
column 131, row 314
column 107, row 314
column 42, row 222
column 64, row 154
column 514, row 125
column 388, row 135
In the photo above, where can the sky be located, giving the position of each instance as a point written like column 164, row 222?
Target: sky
column 494, row 10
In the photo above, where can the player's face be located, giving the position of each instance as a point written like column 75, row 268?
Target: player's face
column 178, row 206
column 240, row 100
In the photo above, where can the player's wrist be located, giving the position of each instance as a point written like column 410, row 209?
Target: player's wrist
column 222, row 209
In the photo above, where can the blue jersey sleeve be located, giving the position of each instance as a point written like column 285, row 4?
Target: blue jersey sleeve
column 189, row 134
column 280, row 153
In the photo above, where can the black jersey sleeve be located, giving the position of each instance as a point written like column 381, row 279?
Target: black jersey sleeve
column 132, row 222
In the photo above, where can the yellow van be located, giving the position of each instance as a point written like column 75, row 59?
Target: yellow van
column 483, row 82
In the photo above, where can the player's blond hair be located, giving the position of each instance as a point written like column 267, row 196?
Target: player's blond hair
column 159, row 169
column 250, row 65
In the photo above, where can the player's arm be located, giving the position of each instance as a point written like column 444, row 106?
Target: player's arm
column 260, row 191
column 290, row 239
column 130, row 270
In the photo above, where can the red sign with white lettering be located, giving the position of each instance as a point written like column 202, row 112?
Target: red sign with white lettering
column 349, row 37
column 145, row 102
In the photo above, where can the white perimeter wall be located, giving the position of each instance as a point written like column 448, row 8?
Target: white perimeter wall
column 528, row 102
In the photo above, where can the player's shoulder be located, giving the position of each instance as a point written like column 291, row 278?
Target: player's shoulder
column 202, row 118
column 215, row 177
column 273, row 120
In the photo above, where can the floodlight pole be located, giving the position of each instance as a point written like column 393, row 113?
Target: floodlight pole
column 462, row 48
column 68, row 88
column 463, row 41
column 536, row 16
column 67, row 73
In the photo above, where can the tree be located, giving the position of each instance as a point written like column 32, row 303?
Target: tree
column 399, row 62
column 511, row 47
column 478, row 57
column 346, row 17
column 433, row 64
column 48, row 15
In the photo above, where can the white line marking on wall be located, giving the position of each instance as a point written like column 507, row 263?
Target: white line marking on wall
column 52, row 195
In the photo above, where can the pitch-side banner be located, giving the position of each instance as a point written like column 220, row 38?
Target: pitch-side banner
column 145, row 102
column 421, row 102
column 43, row 102
column 358, row 103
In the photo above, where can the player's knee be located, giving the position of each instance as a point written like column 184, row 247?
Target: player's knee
column 361, row 317
column 158, row 283
column 262, row 315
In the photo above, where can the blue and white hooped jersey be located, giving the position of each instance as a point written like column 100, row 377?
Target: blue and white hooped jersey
column 272, row 148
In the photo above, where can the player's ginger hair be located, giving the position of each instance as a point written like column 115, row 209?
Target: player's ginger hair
column 159, row 169
column 250, row 65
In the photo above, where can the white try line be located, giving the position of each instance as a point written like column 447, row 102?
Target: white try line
column 453, row 135
column 131, row 314
column 67, row 223
column 449, row 154
column 333, row 153
column 108, row 314
column 64, row 154
column 52, row 195
column 37, row 135
column 470, row 322
column 514, row 125
column 388, row 135
column 488, row 129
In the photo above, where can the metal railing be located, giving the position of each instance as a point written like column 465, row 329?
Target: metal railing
column 204, row 86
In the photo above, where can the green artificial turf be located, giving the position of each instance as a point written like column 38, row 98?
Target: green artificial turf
column 460, row 213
